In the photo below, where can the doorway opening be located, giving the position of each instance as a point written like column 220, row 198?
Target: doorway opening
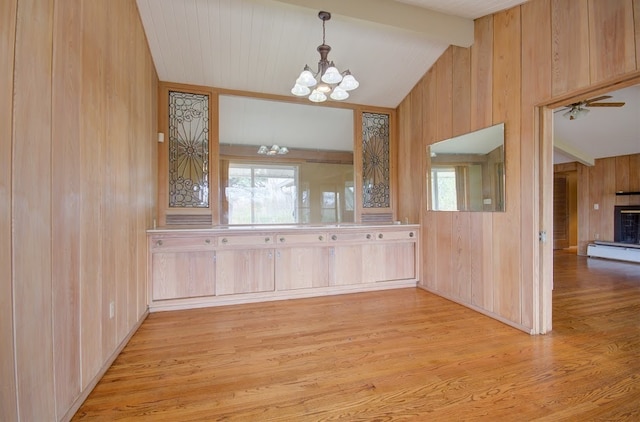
column 548, row 113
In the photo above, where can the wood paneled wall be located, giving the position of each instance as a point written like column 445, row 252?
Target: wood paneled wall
column 78, row 101
column 598, row 185
column 8, row 404
column 521, row 58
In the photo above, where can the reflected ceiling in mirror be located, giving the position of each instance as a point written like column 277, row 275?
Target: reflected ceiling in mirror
column 466, row 173
column 254, row 121
column 312, row 183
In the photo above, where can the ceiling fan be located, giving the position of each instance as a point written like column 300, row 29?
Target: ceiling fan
column 580, row 109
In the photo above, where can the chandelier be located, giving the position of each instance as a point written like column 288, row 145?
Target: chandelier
column 274, row 150
column 328, row 81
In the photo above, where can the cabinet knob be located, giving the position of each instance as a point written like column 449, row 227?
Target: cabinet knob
column 282, row 239
column 380, row 235
column 334, row 237
column 410, row 234
column 320, row 237
column 224, row 240
column 207, row 241
column 368, row 235
column 267, row 239
column 159, row 242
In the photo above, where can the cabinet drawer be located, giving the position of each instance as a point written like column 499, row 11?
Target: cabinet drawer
column 246, row 240
column 183, row 243
column 351, row 237
column 301, row 239
column 397, row 235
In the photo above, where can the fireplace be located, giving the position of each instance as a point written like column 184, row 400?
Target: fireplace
column 626, row 224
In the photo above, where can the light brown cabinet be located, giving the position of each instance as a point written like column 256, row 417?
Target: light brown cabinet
column 220, row 266
column 346, row 265
column 182, row 274
column 244, row 271
column 373, row 257
column 182, row 267
column 388, row 261
column 302, row 267
column 302, row 261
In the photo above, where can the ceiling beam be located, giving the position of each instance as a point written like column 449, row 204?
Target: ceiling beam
column 449, row 29
column 573, row 152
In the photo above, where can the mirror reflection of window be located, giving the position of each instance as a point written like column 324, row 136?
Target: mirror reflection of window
column 262, row 194
column 444, row 195
column 287, row 193
column 349, row 198
column 329, row 209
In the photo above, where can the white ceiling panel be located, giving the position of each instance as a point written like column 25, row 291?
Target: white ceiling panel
column 262, row 45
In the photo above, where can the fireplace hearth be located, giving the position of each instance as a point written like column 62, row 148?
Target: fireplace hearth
column 626, row 224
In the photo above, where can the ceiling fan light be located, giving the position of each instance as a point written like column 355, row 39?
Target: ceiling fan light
column 331, row 76
column 300, row 90
column 575, row 113
column 571, row 114
column 339, row 94
column 582, row 112
column 349, row 82
column 317, row 96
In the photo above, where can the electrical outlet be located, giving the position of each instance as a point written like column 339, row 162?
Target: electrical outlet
column 112, row 309
column 596, row 206
column 596, row 236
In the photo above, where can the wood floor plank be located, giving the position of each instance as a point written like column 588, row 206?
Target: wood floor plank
column 391, row 355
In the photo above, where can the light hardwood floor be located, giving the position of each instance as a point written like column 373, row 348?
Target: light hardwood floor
column 397, row 355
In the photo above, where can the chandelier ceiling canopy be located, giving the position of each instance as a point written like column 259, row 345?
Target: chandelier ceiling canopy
column 328, row 81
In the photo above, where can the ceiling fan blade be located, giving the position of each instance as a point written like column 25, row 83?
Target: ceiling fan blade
column 595, row 100
column 605, row 105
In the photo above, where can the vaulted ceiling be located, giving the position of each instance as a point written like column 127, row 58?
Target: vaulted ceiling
column 262, row 45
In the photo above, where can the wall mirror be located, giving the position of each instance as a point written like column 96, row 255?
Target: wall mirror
column 285, row 163
column 466, row 173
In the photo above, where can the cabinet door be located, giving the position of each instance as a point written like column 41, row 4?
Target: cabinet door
column 389, row 261
column 182, row 274
column 302, row 267
column 346, row 265
column 244, row 271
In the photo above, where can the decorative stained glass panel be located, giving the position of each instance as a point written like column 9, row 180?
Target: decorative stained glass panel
column 375, row 160
column 188, row 150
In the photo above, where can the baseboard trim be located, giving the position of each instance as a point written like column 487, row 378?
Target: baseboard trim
column 85, row 393
column 484, row 312
column 239, row 299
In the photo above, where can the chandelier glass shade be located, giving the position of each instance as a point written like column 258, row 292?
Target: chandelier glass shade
column 274, row 150
column 328, row 82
